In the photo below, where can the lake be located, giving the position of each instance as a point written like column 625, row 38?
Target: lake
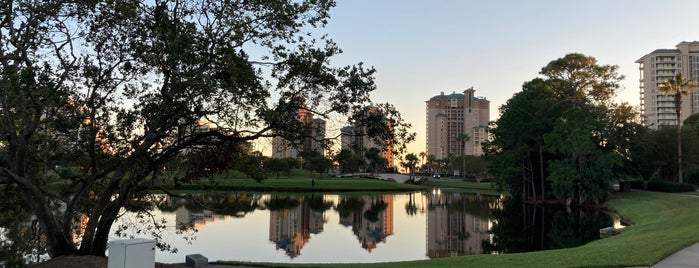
column 355, row 228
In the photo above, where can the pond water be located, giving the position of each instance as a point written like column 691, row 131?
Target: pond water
column 353, row 228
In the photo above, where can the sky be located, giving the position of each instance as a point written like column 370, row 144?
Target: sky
column 421, row 48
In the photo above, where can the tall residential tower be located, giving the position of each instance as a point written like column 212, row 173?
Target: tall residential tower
column 454, row 114
column 656, row 67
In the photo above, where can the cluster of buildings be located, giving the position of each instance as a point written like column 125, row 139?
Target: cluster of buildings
column 449, row 117
column 352, row 137
column 457, row 123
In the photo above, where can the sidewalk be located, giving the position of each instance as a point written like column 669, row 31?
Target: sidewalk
column 685, row 258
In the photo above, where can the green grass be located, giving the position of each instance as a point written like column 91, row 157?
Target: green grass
column 300, row 185
column 462, row 186
column 663, row 224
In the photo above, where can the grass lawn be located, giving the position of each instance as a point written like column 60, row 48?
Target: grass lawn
column 663, row 224
column 328, row 185
column 462, row 186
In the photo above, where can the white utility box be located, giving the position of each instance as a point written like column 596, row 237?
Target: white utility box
column 132, row 253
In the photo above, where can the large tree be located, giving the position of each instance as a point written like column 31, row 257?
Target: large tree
column 563, row 133
column 113, row 90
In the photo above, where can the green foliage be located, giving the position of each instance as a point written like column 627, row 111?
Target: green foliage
column 475, row 167
column 384, row 125
column 375, row 161
column 130, row 93
column 654, row 153
column 410, row 162
column 692, row 122
column 561, row 136
column 252, row 166
column 349, row 161
column 316, row 162
column 586, row 171
column 276, row 165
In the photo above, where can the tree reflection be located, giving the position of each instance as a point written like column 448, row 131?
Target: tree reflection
column 524, row 227
column 318, row 203
column 411, row 207
column 276, row 202
column 348, row 205
column 377, row 206
column 229, row 204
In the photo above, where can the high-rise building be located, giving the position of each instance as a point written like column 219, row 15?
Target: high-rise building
column 312, row 138
column 448, row 116
column 656, row 67
column 356, row 139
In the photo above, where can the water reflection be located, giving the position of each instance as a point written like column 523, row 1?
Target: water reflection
column 354, row 228
column 458, row 224
column 370, row 217
column 292, row 220
column 523, row 227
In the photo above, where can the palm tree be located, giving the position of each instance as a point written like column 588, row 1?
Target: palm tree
column 463, row 138
column 422, row 156
column 678, row 86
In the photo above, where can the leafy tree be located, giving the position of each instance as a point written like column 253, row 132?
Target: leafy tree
column 692, row 122
column 276, row 165
column 115, row 90
column 349, row 162
column 375, row 161
column 474, row 166
column 410, row 163
column 678, row 86
column 384, row 125
column 516, row 151
column 585, row 173
column 422, row 155
column 653, row 155
column 205, row 162
column 252, row 165
column 316, row 162
column 563, row 133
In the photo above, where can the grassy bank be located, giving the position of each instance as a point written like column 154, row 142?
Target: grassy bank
column 328, row 185
column 663, row 224
column 462, row 186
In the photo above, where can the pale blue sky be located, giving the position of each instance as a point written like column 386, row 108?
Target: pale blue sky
column 420, row 48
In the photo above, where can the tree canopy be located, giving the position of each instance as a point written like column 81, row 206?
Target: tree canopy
column 114, row 90
column 562, row 136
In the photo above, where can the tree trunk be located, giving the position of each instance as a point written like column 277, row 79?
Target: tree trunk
column 541, row 171
column 679, row 150
column 59, row 243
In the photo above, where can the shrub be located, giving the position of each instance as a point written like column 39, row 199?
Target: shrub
column 671, row 187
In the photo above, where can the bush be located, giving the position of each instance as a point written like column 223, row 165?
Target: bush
column 671, row 187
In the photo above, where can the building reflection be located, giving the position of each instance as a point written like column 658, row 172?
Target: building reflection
column 292, row 220
column 371, row 218
column 457, row 224
column 219, row 207
column 185, row 218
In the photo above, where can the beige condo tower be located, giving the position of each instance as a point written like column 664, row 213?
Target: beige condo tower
column 453, row 114
column 658, row 109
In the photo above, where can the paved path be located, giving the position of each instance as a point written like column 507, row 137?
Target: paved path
column 688, row 257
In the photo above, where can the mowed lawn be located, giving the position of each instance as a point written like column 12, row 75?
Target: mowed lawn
column 662, row 224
